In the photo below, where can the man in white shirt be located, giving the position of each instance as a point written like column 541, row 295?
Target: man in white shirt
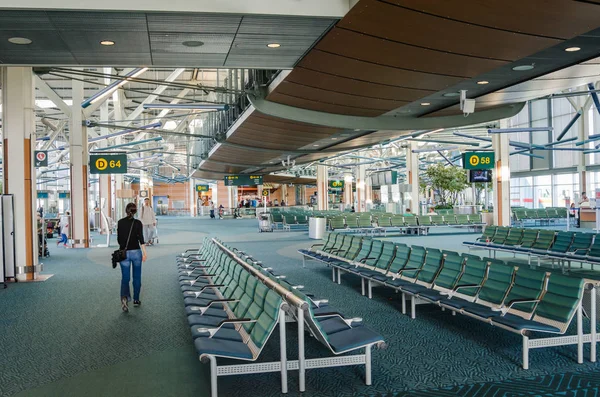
column 148, row 221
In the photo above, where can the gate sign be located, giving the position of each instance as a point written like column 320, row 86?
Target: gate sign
column 243, row 180
column 41, row 158
column 202, row 188
column 336, row 184
column 108, row 164
column 265, row 192
column 478, row 161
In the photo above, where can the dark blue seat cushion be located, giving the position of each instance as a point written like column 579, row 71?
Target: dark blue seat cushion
column 212, row 312
column 206, row 321
column 343, row 264
column 431, row 295
column 397, row 283
column 379, row 277
column 353, row 338
column 225, row 332
column 222, row 347
column 413, row 288
column 331, row 325
column 519, row 323
column 480, row 310
column 454, row 303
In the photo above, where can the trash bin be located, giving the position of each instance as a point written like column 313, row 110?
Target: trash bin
column 316, row 228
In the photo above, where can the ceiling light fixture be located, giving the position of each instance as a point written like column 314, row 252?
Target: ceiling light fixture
column 199, row 106
column 483, row 82
column 523, row 68
column 19, row 40
column 273, row 45
column 425, row 103
column 107, row 42
column 193, row 43
column 572, row 49
column 451, row 94
column 333, row 139
column 315, row 145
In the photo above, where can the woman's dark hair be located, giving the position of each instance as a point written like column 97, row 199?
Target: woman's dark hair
column 131, row 209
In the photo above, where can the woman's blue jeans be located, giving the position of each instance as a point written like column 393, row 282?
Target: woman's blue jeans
column 134, row 260
column 63, row 239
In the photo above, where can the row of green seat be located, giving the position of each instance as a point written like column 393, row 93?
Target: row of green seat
column 421, row 223
column 542, row 215
column 233, row 304
column 562, row 245
column 514, row 298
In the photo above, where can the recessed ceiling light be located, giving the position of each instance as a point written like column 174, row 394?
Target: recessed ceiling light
column 522, row 68
column 315, row 145
column 193, row 43
column 572, row 49
column 333, row 139
column 451, row 94
column 273, row 45
column 107, row 42
column 19, row 40
column 483, row 82
column 358, row 129
column 425, row 103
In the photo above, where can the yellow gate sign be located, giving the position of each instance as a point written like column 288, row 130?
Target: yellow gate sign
column 478, row 160
column 265, row 192
column 108, row 164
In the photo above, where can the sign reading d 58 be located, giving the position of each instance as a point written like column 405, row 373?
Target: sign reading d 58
column 478, row 161
column 108, row 164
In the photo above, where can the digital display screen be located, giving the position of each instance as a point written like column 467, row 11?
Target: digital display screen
column 480, row 176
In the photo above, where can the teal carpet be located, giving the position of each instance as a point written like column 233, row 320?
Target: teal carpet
column 68, row 337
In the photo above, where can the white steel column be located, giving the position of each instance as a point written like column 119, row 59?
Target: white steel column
column 232, row 196
column 412, row 166
column 322, row 188
column 361, row 186
column 18, row 125
column 284, row 194
column 583, row 134
column 78, row 157
column 104, row 180
column 501, row 177
column 117, row 178
column 348, row 190
column 193, row 197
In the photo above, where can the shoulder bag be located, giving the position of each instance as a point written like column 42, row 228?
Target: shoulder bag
column 120, row 255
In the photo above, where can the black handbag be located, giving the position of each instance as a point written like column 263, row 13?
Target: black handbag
column 120, row 255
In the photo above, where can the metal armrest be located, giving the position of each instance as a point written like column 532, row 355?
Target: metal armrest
column 348, row 321
column 298, row 287
column 450, row 294
column 213, row 331
column 505, row 308
column 203, row 309
column 365, row 259
column 320, row 302
column 207, row 286
column 316, row 245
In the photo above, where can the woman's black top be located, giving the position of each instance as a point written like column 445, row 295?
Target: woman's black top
column 137, row 233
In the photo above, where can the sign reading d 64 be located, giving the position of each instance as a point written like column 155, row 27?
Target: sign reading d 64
column 108, row 164
column 478, row 160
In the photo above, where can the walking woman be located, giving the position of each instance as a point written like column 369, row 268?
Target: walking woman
column 130, row 236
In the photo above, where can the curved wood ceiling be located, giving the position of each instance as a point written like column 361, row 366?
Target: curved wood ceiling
column 390, row 55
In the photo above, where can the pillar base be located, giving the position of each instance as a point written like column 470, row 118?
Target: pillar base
column 23, row 273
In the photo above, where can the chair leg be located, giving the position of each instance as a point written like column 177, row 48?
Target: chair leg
column 525, row 352
column 368, row 365
column 339, row 276
column 593, row 324
column 579, row 334
column 283, row 352
column 333, row 274
column 412, row 307
column 370, row 289
column 403, row 303
column 362, row 286
column 213, row 376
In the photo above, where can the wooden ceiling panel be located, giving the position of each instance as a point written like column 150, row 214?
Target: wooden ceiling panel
column 210, row 166
column 321, row 95
column 275, row 122
column 321, row 106
column 549, row 18
column 281, row 142
column 244, row 156
column 380, row 19
column 370, row 90
column 263, row 133
column 384, row 52
column 355, row 69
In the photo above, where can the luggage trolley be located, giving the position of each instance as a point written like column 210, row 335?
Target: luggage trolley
column 264, row 223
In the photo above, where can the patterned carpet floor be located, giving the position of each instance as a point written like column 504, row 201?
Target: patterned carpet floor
column 68, row 337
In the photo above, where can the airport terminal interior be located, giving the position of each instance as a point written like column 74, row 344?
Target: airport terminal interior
column 299, row 197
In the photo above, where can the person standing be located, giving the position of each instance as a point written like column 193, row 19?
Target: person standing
column 148, row 221
column 212, row 209
column 64, row 229
column 130, row 236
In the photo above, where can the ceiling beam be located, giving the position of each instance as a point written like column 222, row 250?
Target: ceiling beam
column 51, row 95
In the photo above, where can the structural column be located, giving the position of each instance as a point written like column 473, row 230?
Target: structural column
column 361, row 189
column 322, row 188
column 78, row 156
column 583, row 135
column 104, row 180
column 412, row 165
column 193, row 197
column 348, row 190
column 500, row 143
column 284, row 194
column 18, row 144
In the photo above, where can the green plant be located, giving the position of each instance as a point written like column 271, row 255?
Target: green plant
column 448, row 181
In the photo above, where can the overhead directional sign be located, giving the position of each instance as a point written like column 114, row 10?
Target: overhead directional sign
column 108, row 164
column 336, row 184
column 265, row 192
column 202, row 188
column 478, row 160
column 41, row 158
column 243, row 180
